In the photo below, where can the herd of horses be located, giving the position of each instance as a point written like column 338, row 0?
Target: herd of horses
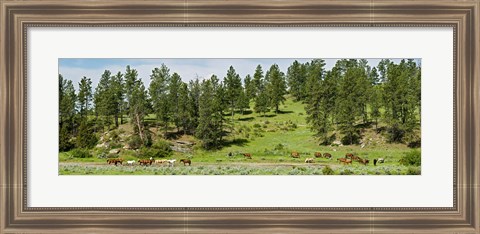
column 150, row 161
column 348, row 159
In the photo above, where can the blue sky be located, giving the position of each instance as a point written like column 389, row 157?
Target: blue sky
column 75, row 68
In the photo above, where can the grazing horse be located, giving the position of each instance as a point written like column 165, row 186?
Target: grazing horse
column 145, row 161
column 327, row 155
column 130, row 162
column 309, row 160
column 160, row 161
column 375, row 162
column 171, row 162
column 381, row 160
column 356, row 158
column 114, row 161
column 186, row 161
column 295, row 154
column 364, row 161
column 247, row 155
column 349, row 155
column 345, row 161
column 317, row 154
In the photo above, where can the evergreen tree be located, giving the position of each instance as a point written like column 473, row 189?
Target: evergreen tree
column 296, row 77
column 118, row 92
column 104, row 100
column 66, row 112
column 209, row 129
column 159, row 93
column 276, row 87
column 138, row 109
column 350, row 109
column 184, row 107
column 194, row 100
column 250, row 89
column 233, row 89
column 173, row 98
column 258, row 81
column 84, row 96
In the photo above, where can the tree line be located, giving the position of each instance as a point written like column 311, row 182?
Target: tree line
column 350, row 94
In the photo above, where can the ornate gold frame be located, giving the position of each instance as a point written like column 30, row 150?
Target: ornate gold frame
column 17, row 16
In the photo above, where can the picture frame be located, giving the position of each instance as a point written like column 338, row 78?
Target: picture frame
column 18, row 16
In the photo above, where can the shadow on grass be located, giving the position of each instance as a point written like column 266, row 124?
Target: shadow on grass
column 236, row 142
column 246, row 119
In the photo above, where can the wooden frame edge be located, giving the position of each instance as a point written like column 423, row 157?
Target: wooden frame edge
column 14, row 217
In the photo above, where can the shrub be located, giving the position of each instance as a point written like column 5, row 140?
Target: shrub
column 412, row 158
column 86, row 137
column 135, row 142
column 64, row 140
column 413, row 171
column 145, row 152
column 327, row 170
column 279, row 147
column 257, row 125
column 163, row 148
column 80, row 153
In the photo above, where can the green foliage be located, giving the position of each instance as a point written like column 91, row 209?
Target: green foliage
column 64, row 141
column 210, row 123
column 163, row 148
column 414, row 171
column 276, row 87
column 401, row 98
column 86, row 137
column 296, row 77
column 145, row 152
column 327, row 171
column 80, row 153
column 84, row 95
column 135, row 142
column 412, row 158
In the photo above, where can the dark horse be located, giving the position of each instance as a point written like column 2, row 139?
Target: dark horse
column 186, row 161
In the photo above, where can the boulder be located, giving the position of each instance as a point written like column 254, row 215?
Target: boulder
column 127, row 147
column 114, row 151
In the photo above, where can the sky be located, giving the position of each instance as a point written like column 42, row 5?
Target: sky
column 188, row 69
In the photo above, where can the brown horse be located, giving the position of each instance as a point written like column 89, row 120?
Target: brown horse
column 186, row 161
column 115, row 161
column 327, row 155
column 247, row 155
column 363, row 161
column 318, row 155
column 145, row 161
column 349, row 155
column 345, row 161
column 295, row 154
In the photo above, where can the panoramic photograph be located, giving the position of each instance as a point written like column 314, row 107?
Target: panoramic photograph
column 269, row 116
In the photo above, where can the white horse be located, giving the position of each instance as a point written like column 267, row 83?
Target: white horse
column 131, row 162
column 171, row 162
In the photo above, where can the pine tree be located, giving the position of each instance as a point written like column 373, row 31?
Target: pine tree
column 296, row 77
column 276, row 87
column 250, row 89
column 159, row 93
column 84, row 96
column 209, row 129
column 173, row 98
column 258, row 81
column 66, row 112
column 194, row 100
column 184, row 107
column 118, row 92
column 233, row 89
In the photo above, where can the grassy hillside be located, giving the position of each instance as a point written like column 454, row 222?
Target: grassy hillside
column 269, row 139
